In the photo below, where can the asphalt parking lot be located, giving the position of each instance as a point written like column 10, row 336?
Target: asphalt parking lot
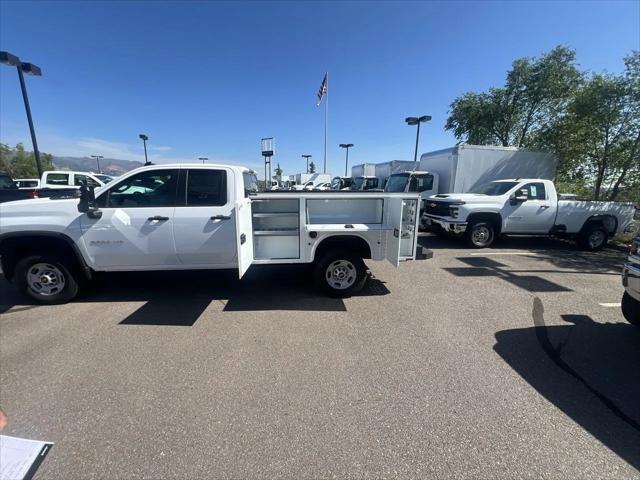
column 508, row 362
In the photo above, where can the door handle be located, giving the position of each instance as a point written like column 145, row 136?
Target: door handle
column 544, row 207
column 158, row 218
column 221, row 217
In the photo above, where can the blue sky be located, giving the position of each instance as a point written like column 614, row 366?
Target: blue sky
column 212, row 78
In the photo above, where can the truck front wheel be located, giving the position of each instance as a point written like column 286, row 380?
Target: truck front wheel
column 47, row 279
column 340, row 273
column 593, row 238
column 631, row 309
column 480, row 234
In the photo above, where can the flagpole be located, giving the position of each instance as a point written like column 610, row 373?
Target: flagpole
column 326, row 122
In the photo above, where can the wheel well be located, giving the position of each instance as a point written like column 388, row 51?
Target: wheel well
column 609, row 222
column 14, row 248
column 352, row 243
column 494, row 218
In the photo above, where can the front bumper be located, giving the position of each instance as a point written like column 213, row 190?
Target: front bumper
column 631, row 280
column 447, row 225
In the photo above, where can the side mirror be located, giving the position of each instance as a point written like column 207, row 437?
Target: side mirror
column 518, row 198
column 87, row 203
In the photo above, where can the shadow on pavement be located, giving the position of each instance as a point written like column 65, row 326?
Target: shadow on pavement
column 562, row 254
column 178, row 298
column 486, row 267
column 589, row 370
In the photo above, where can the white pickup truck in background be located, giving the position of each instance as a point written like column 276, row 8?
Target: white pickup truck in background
column 184, row 217
column 525, row 207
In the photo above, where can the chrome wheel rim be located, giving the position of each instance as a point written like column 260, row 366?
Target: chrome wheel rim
column 341, row 274
column 481, row 235
column 596, row 238
column 45, row 279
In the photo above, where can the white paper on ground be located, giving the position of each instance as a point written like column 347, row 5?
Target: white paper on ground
column 20, row 457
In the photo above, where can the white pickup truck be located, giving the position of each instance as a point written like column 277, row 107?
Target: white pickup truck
column 182, row 217
column 525, row 207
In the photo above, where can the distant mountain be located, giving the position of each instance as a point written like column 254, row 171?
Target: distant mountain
column 110, row 166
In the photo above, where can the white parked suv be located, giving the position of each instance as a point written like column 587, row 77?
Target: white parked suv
column 525, row 207
column 183, row 217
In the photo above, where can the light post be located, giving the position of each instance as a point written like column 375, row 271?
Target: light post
column 417, row 121
column 346, row 146
column 98, row 158
column 144, row 139
column 307, row 157
column 203, row 159
column 30, row 69
column 268, row 148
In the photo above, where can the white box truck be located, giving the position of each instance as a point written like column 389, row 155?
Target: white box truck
column 464, row 167
column 364, row 177
column 384, row 170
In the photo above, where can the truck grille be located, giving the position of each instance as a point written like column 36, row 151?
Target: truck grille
column 441, row 209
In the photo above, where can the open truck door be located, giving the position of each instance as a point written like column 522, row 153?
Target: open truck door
column 402, row 236
column 244, row 235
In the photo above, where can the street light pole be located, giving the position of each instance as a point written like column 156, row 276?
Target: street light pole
column 417, row 121
column 144, row 139
column 98, row 158
column 29, row 69
column 203, row 159
column 307, row 157
column 346, row 146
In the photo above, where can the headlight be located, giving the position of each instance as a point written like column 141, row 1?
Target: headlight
column 454, row 212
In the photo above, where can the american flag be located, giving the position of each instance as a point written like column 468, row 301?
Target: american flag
column 322, row 90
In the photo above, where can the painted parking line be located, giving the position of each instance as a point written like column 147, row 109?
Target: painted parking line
column 616, row 305
column 502, row 253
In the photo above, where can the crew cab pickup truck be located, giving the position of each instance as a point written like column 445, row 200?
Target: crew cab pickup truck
column 183, row 217
column 525, row 207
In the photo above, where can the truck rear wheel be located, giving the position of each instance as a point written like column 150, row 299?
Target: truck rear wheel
column 340, row 273
column 47, row 279
column 593, row 238
column 631, row 309
column 480, row 234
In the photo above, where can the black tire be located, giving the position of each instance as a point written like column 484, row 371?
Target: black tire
column 593, row 238
column 631, row 309
column 68, row 287
column 480, row 234
column 351, row 265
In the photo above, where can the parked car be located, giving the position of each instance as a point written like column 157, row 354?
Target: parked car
column 631, row 283
column 9, row 190
column 323, row 186
column 526, row 207
column 185, row 217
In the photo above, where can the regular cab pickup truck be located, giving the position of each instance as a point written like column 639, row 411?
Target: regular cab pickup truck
column 183, row 217
column 525, row 207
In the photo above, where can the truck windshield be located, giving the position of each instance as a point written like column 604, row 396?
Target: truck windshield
column 494, row 188
column 397, row 182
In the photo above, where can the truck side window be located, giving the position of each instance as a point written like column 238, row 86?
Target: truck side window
column 58, row 178
column 154, row 188
column 535, row 191
column 420, row 183
column 79, row 180
column 206, row 188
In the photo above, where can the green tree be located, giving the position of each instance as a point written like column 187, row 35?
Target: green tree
column 536, row 91
column 312, row 167
column 19, row 163
column 278, row 171
column 597, row 140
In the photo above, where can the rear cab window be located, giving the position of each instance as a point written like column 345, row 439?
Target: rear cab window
column 206, row 188
column 57, row 178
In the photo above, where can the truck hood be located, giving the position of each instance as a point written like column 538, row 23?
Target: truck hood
column 467, row 198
